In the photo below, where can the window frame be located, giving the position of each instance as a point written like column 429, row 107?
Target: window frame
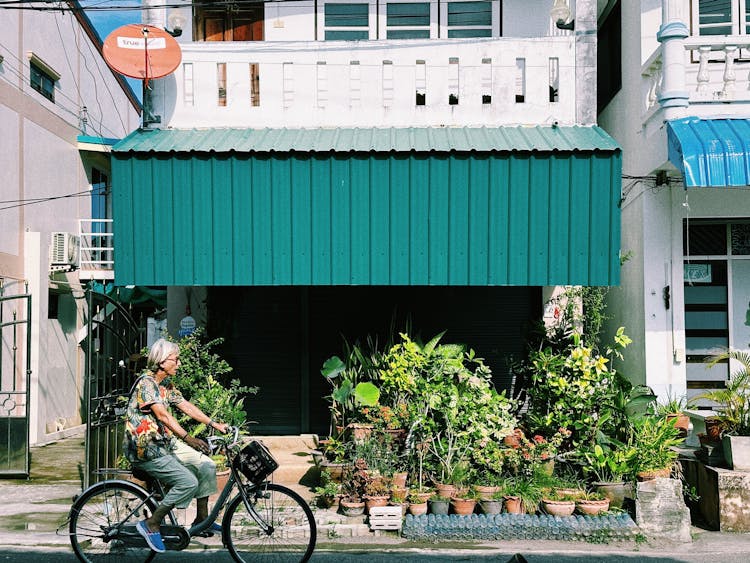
column 371, row 28
column 446, row 29
column 738, row 22
column 431, row 27
column 44, row 71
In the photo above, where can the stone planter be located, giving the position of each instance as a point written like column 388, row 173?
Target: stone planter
column 360, row 432
column 351, row 508
column 463, row 506
column 336, row 470
column 490, row 506
column 558, row 507
column 592, row 507
column 737, row 452
column 439, row 506
column 615, row 492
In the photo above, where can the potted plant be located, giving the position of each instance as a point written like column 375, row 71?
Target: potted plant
column 493, row 504
column 398, row 498
column 327, row 493
column 734, row 410
column 377, row 492
column 522, row 494
column 611, row 468
column 439, row 504
column 654, row 441
column 203, row 378
column 592, row 503
column 465, row 501
column 353, row 486
column 672, row 408
column 417, row 504
column 556, row 504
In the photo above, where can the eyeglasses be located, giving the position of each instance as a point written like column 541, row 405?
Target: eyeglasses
column 175, row 360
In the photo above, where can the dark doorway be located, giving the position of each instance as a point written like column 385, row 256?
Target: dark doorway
column 278, row 337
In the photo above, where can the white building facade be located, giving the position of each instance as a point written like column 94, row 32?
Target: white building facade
column 681, row 115
column 61, row 108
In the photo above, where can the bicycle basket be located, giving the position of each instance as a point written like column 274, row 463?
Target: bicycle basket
column 255, row 462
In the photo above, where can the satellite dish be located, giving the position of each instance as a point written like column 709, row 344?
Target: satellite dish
column 142, row 51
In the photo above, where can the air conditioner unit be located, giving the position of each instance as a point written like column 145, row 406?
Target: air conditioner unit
column 63, row 249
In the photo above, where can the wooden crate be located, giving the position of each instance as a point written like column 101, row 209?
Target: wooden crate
column 386, row 518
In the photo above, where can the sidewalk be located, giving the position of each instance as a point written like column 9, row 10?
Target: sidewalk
column 32, row 510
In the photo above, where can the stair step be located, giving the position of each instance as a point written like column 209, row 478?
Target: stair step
column 302, row 443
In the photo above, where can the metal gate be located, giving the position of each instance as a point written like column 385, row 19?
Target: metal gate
column 113, row 348
column 15, row 373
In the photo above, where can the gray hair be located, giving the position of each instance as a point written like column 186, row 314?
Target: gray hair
column 160, row 351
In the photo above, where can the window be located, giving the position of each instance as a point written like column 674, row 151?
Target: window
column 469, row 19
column 42, row 77
column 408, row 20
column 346, row 22
column 721, row 17
column 230, row 23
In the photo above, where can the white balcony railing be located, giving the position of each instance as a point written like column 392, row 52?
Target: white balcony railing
column 96, row 259
column 717, row 70
column 412, row 83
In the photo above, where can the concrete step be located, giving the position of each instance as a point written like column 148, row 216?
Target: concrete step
column 296, row 467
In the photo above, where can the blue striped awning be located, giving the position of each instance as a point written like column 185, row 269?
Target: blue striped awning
column 710, row 152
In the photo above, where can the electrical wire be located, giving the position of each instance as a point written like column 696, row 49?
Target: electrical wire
column 34, row 201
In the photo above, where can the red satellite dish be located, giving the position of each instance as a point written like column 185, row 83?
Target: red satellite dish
column 142, row 51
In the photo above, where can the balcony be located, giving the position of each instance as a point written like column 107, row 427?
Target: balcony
column 716, row 71
column 414, row 83
column 96, row 259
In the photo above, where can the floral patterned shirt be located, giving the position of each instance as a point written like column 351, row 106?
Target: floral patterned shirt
column 146, row 438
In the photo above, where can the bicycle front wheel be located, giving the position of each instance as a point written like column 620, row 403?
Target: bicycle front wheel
column 102, row 523
column 279, row 527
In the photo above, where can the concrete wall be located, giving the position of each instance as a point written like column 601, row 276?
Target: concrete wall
column 40, row 159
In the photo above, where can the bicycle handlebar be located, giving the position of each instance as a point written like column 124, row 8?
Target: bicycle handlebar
column 215, row 442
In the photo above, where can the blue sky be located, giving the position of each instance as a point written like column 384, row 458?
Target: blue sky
column 106, row 21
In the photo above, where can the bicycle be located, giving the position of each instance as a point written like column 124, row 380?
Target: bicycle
column 262, row 522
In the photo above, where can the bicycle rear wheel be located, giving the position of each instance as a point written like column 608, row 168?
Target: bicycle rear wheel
column 281, row 529
column 102, row 523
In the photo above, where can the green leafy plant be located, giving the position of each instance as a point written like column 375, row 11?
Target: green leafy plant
column 527, row 490
column 734, row 399
column 203, row 378
column 610, row 464
column 654, row 440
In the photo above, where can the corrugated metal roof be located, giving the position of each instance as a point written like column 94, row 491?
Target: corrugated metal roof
column 437, row 139
column 374, row 218
column 710, row 152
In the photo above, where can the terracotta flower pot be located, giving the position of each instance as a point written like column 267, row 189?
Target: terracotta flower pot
column 512, row 505
column 445, row 490
column 682, row 422
column 558, row 507
column 399, row 479
column 373, row 501
column 592, row 507
column 486, row 491
column 463, row 506
column 418, row 508
column 360, row 432
column 713, row 429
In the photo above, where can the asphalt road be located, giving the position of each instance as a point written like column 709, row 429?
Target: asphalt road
column 29, row 555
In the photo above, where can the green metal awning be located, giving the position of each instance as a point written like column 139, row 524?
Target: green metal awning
column 430, row 206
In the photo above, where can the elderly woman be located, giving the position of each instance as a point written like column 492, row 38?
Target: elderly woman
column 156, row 443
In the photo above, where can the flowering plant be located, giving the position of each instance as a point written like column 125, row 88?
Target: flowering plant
column 383, row 417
